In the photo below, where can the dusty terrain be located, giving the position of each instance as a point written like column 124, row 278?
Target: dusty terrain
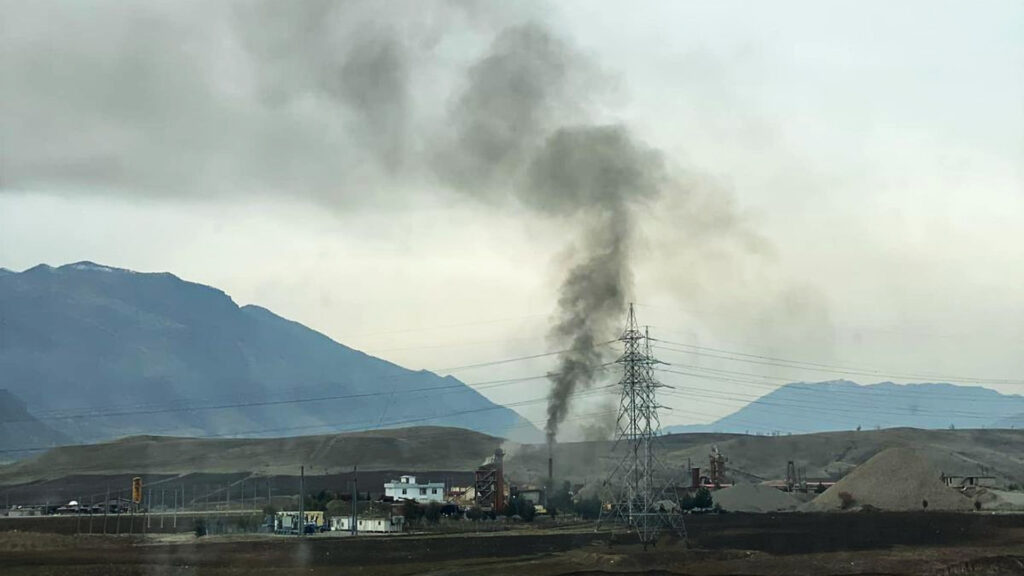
column 916, row 543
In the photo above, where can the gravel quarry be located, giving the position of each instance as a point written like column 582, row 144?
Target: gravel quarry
column 754, row 498
column 896, row 479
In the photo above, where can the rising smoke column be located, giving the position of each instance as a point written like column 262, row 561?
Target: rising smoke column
column 595, row 176
column 520, row 130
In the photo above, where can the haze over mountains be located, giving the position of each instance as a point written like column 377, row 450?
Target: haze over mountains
column 98, row 352
column 845, row 405
column 91, row 353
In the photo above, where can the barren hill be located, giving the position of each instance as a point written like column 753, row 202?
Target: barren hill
column 410, row 449
column 751, row 458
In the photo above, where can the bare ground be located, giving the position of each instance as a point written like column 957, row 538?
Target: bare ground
column 769, row 545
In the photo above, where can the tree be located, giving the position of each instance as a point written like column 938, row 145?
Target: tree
column 475, row 513
column 686, row 503
column 702, row 498
column 560, row 497
column 523, row 508
column 413, row 511
column 338, row 507
column 432, row 513
column 589, row 508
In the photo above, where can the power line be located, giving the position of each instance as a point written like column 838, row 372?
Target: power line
column 815, row 366
column 340, row 427
column 816, row 387
column 881, row 410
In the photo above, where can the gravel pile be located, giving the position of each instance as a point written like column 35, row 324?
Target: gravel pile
column 754, row 498
column 1002, row 500
column 894, row 479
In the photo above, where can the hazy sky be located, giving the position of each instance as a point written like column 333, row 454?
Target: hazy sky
column 847, row 178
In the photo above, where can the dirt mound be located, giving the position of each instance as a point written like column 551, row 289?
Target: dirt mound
column 894, row 479
column 754, row 498
column 992, row 499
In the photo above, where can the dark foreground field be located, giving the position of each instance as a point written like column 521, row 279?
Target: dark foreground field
column 889, row 543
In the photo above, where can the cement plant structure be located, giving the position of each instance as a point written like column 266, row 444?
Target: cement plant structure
column 641, row 494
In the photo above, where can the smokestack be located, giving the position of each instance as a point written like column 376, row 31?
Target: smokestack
column 551, row 472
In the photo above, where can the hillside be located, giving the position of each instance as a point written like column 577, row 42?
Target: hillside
column 844, row 405
column 409, row 449
column 18, row 428
column 99, row 353
column 750, row 458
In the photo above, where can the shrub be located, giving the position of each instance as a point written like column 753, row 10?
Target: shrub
column 589, row 508
column 432, row 512
column 702, row 498
column 846, row 500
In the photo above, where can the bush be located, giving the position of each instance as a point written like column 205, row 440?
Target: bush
column 846, row 500
column 200, row 527
column 475, row 513
column 522, row 508
column 702, row 498
column 686, row 503
column 589, row 508
column 413, row 511
column 432, row 513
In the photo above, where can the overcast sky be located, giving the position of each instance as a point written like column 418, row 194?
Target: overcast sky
column 847, row 179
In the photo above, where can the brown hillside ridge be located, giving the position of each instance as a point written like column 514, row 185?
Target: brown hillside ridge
column 898, row 478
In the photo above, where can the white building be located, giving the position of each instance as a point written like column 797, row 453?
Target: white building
column 377, row 524
column 407, row 488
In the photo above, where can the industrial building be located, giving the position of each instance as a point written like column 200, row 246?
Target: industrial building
column 489, row 485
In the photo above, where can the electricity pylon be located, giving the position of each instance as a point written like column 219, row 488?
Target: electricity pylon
column 642, row 497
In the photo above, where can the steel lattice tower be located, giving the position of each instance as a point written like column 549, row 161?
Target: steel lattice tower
column 642, row 496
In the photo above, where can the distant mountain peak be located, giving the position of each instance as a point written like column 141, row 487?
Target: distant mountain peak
column 88, row 337
column 803, row 407
column 87, row 266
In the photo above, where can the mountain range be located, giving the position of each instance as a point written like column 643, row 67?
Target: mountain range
column 97, row 353
column 844, row 405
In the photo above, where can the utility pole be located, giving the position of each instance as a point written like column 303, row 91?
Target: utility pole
column 174, row 520
column 640, row 478
column 163, row 506
column 302, row 500
column 106, row 508
column 355, row 500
